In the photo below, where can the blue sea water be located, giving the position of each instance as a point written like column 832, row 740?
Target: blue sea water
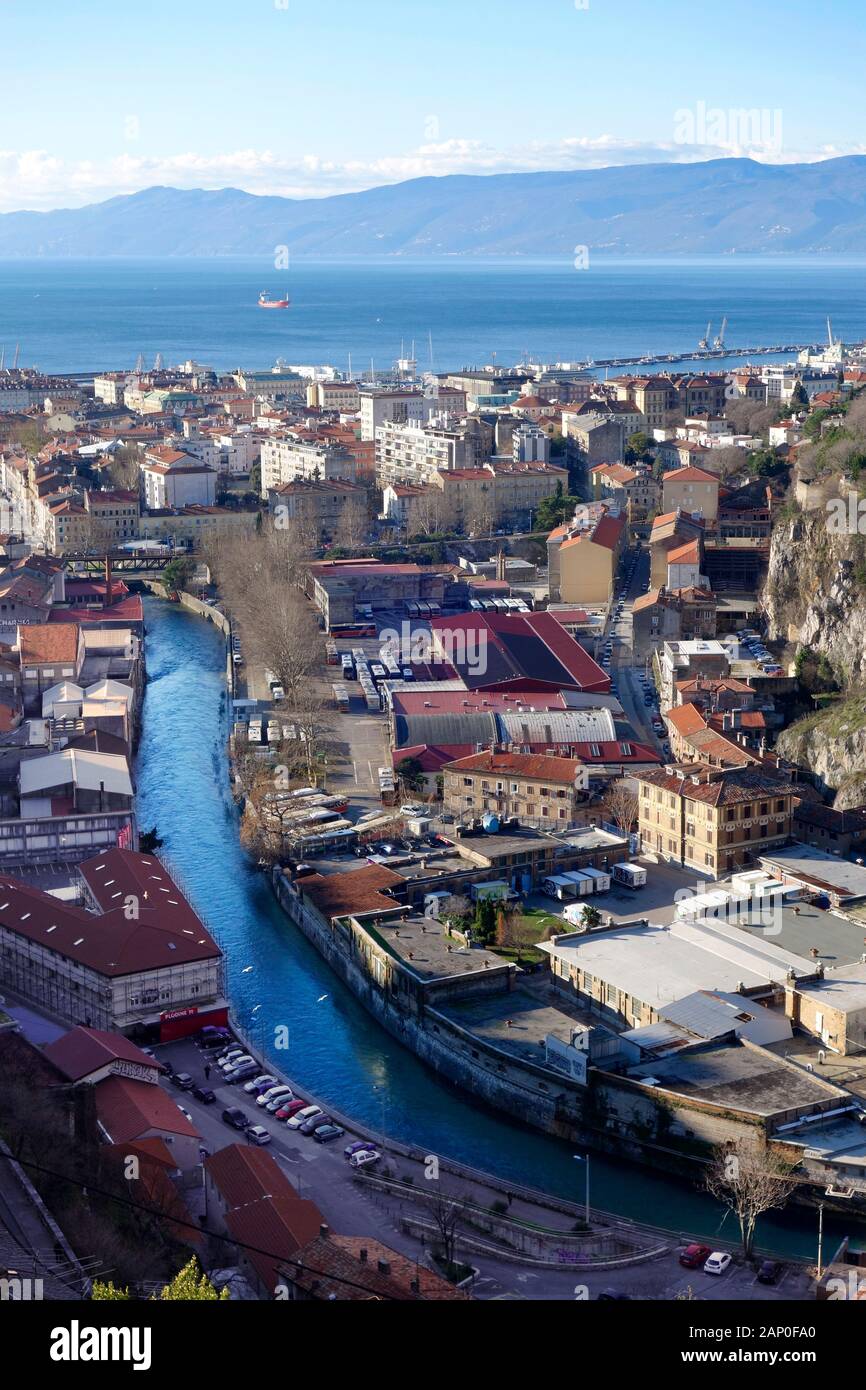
column 93, row 315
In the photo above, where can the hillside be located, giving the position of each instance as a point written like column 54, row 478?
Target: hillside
column 718, row 207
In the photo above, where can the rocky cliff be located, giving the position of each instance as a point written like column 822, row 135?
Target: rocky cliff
column 815, row 594
column 815, row 597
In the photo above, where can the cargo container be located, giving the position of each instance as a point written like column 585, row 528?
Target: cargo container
column 583, row 884
column 629, row 875
column 601, row 879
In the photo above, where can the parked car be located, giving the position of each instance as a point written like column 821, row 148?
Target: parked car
column 286, row 1112
column 306, row 1114
column 364, row 1158
column 718, row 1262
column 236, row 1118
column 202, row 1093
column 225, row 1059
column 695, row 1256
column 357, row 1146
column 412, row 810
column 326, row 1133
column 770, row 1272
column 279, row 1092
column 277, row 1103
column 182, row 1080
column 310, row 1125
column 257, row 1134
column 260, row 1083
column 242, row 1073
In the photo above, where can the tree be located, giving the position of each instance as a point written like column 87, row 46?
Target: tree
column 447, row 1213
column 411, row 775
column 749, row 1183
column 123, row 466
column 190, row 1284
column 101, row 1292
column 640, row 447
column 353, row 527
column 590, row 917
column 621, row 804
column 485, row 919
column 178, row 573
column 799, row 398
column 149, row 841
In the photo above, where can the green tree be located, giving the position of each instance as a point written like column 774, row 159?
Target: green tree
column 107, row 1292
column 190, row 1285
column 485, row 919
column 590, row 917
column 639, row 448
column 178, row 573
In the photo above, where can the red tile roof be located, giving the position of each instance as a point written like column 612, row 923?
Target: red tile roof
column 166, row 933
column 86, row 1050
column 535, row 767
column 357, row 890
column 43, row 642
column 128, row 1109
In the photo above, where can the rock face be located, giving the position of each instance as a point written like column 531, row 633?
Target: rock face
column 814, row 596
column 832, row 745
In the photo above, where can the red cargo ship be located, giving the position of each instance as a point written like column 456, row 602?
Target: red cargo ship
column 265, row 303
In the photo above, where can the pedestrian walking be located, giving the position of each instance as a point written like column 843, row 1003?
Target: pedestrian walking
column 207, row 1071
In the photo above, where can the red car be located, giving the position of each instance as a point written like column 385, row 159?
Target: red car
column 287, row 1111
column 695, row 1256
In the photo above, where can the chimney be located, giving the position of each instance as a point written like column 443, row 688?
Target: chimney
column 324, row 1230
column 384, row 1267
column 108, row 588
column 362, row 1256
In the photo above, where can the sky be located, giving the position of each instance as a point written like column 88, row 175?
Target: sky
column 306, row 98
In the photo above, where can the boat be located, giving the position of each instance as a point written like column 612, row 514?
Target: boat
column 265, row 303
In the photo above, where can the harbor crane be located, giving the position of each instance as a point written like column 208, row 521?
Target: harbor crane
column 720, row 339
column 704, row 344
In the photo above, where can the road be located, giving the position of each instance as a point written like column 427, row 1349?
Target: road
column 320, row 1172
column 626, row 675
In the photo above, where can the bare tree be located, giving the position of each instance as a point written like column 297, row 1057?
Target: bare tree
column 447, row 1213
column 749, row 1183
column 353, row 527
column 621, row 804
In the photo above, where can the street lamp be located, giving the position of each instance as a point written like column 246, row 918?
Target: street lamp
column 584, row 1158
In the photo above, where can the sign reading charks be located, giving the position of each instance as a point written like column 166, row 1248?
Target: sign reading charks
column 171, row 1014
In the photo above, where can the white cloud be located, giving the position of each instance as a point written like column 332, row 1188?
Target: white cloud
column 39, row 180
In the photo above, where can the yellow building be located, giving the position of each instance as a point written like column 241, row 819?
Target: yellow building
column 584, row 558
column 691, row 490
column 712, row 820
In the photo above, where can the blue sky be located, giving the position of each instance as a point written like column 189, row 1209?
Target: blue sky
column 304, row 98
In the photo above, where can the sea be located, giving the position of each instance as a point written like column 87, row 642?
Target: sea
column 92, row 315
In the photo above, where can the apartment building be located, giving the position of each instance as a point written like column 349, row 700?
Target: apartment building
column 411, row 452
column 319, row 507
column 380, row 406
column 540, row 791
column 584, row 555
column 289, row 458
column 691, row 490
column 173, row 478
column 636, row 491
column 342, row 396
column 712, row 820
column 139, row 955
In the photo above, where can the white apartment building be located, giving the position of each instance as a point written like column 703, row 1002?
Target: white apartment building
column 530, row 444
column 410, row 453
column 287, row 458
column 171, row 478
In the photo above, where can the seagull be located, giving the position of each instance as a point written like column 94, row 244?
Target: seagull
column 247, row 971
column 321, row 999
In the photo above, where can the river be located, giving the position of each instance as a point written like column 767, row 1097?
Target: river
column 276, row 979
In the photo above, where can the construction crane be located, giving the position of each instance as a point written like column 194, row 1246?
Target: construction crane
column 704, row 344
column 719, row 342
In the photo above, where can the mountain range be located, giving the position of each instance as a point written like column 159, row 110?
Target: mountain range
column 718, row 207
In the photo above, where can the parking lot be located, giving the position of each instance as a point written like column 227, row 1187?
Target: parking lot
column 321, row 1172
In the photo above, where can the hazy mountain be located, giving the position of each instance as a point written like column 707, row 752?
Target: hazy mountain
column 718, row 207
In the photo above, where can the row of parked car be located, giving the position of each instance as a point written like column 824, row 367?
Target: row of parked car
column 754, row 644
column 718, row 1261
